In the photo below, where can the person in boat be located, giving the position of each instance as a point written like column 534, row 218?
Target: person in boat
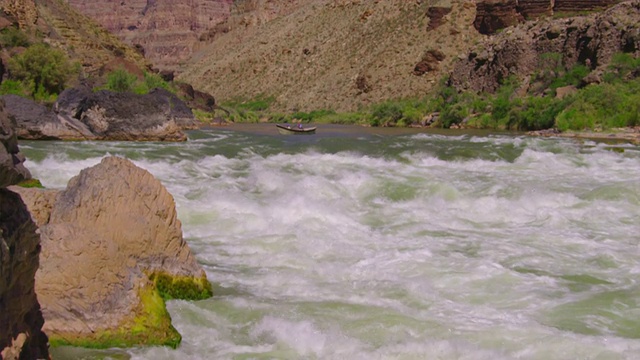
column 300, row 126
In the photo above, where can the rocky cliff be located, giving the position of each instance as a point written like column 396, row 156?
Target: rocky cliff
column 93, row 47
column 166, row 30
column 112, row 246
column 494, row 15
column 21, row 320
column 587, row 40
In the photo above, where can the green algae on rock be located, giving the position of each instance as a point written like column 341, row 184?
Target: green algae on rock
column 150, row 325
column 181, row 287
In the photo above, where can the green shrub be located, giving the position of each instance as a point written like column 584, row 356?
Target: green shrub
column 120, row 80
column 13, row 37
column 386, row 113
column 622, row 66
column 13, row 87
column 155, row 81
column 42, row 70
column 312, row 116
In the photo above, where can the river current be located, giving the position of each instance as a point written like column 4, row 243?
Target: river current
column 392, row 244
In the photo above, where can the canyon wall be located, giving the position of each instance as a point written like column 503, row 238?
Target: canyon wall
column 167, row 31
column 494, row 15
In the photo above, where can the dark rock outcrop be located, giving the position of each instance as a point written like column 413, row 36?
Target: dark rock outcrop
column 111, row 244
column 589, row 40
column 436, row 16
column 429, row 62
column 158, row 115
column 493, row 15
column 11, row 160
column 533, row 9
column 80, row 114
column 21, row 320
column 37, row 122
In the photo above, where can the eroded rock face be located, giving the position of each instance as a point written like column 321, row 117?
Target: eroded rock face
column 588, row 40
column 494, row 15
column 21, row 321
column 105, row 239
column 167, row 30
column 11, row 160
column 23, row 10
column 158, row 115
column 436, row 16
column 80, row 114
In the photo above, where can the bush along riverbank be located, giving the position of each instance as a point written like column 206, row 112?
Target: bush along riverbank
column 555, row 100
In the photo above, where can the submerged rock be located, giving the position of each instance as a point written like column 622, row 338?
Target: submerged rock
column 112, row 249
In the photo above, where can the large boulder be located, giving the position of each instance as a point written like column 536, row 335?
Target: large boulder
column 112, row 248
column 37, row 122
column 81, row 114
column 21, row 320
column 156, row 116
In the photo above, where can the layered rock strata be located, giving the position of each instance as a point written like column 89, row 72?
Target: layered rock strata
column 112, row 248
column 587, row 40
column 494, row 15
column 21, row 320
column 167, row 30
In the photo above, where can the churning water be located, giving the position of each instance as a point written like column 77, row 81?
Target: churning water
column 376, row 245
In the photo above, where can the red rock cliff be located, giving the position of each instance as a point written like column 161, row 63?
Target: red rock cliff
column 493, row 15
column 167, row 30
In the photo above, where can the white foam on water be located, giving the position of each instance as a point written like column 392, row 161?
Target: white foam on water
column 417, row 256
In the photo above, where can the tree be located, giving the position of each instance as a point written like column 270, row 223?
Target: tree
column 41, row 69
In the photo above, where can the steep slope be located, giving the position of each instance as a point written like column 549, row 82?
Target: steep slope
column 336, row 54
column 95, row 48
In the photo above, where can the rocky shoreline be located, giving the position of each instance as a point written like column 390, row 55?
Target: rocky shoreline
column 102, row 256
column 81, row 114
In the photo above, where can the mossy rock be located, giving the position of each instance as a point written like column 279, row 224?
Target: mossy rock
column 151, row 325
column 181, row 287
column 31, row 183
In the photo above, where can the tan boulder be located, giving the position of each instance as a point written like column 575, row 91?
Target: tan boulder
column 112, row 248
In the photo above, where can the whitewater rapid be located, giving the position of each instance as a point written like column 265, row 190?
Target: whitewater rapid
column 403, row 246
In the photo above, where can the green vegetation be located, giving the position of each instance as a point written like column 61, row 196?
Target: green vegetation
column 186, row 288
column 42, row 72
column 31, row 183
column 150, row 326
column 12, row 37
column 120, row 80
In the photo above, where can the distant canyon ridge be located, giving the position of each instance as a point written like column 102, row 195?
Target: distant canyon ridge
column 171, row 31
column 316, row 54
column 302, row 55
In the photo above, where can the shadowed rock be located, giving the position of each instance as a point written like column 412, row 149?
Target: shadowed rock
column 21, row 335
column 80, row 114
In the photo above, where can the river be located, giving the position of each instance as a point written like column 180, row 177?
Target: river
column 392, row 244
